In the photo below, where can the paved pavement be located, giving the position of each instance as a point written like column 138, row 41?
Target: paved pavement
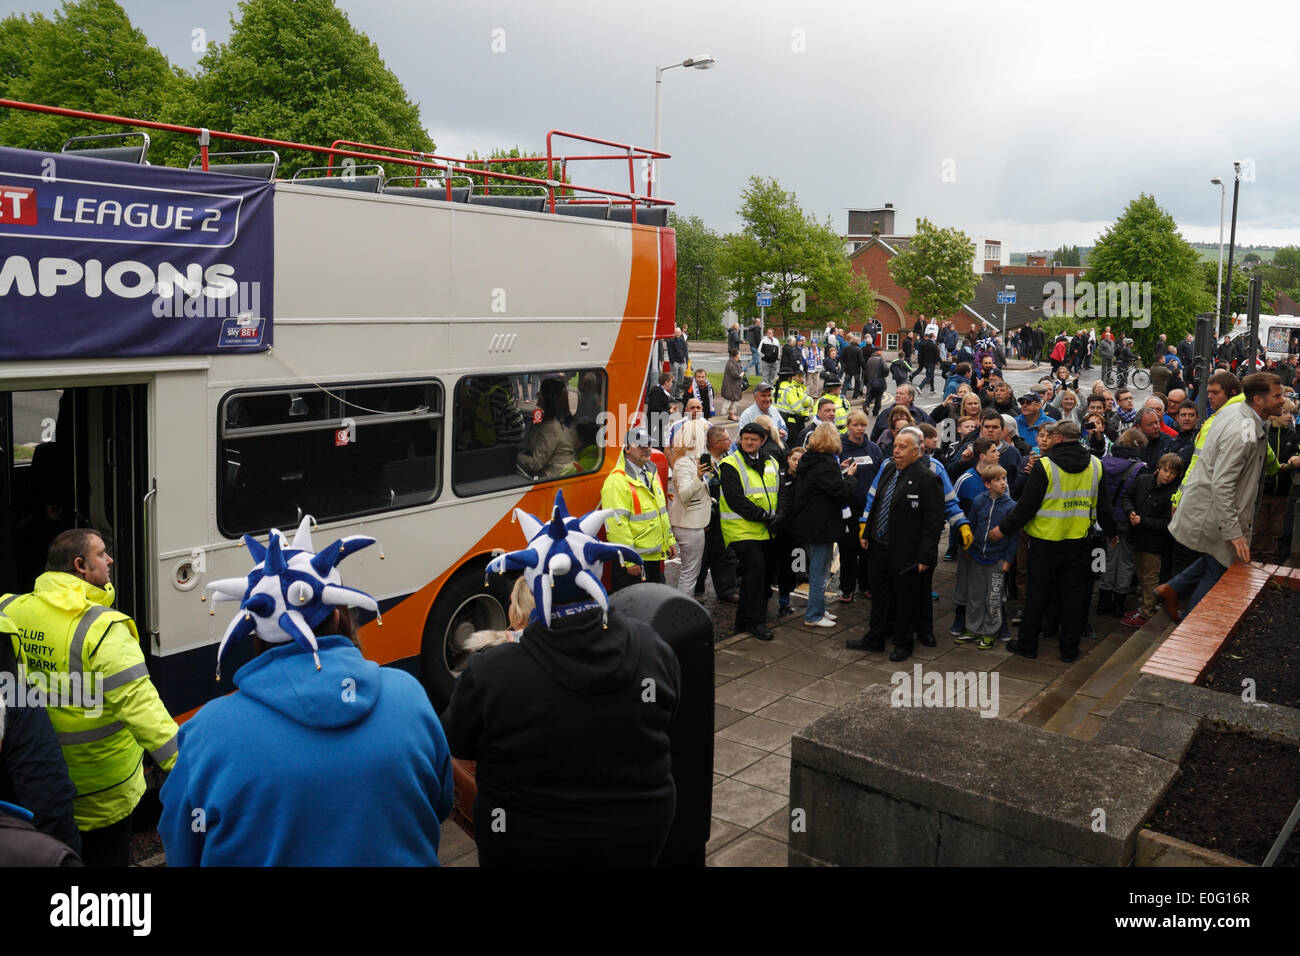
column 765, row 692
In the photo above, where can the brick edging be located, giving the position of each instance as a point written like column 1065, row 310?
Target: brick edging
column 1186, row 654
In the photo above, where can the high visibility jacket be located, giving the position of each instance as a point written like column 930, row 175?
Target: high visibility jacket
column 646, row 529
column 1199, row 443
column 101, row 703
column 1069, row 505
column 792, row 399
column 842, row 410
column 762, row 492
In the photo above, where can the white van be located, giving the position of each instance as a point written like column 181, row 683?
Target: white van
column 1279, row 335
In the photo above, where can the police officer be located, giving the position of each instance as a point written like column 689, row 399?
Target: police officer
column 69, row 631
column 750, row 505
column 633, row 486
column 842, row 408
column 1062, row 497
column 792, row 400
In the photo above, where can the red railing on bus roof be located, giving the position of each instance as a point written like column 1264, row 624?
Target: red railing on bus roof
column 448, row 165
column 631, row 154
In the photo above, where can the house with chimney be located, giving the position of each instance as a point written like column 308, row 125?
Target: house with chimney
column 872, row 241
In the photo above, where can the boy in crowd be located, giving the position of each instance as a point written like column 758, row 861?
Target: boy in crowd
column 1147, row 506
column 989, row 562
column 969, row 486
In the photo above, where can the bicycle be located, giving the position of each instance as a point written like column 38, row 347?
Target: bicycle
column 1118, row 376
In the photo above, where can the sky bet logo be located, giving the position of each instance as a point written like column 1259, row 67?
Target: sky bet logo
column 17, row 205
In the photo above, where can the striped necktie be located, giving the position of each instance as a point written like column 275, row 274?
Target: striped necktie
column 884, row 503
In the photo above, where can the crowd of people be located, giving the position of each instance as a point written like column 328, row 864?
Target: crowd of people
column 1032, row 488
column 1028, row 490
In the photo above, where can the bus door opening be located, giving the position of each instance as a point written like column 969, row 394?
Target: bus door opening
column 75, row 458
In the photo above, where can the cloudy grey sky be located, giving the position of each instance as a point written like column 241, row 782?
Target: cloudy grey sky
column 1033, row 122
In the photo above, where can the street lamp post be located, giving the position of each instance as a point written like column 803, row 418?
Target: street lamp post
column 1218, row 292
column 702, row 62
column 699, row 272
column 1009, row 288
column 1232, row 241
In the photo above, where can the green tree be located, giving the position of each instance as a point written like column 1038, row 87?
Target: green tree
column 1066, row 256
column 523, row 164
column 699, row 272
column 783, row 250
column 298, row 70
column 936, row 270
column 1240, row 289
column 1284, row 271
column 16, row 50
column 88, row 57
column 1144, row 245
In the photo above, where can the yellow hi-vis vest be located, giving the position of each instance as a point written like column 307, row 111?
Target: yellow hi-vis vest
column 646, row 529
column 761, row 490
column 791, row 397
column 100, row 701
column 842, row 410
column 1069, row 505
column 1199, row 443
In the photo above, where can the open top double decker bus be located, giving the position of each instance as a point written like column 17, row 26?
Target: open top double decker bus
column 189, row 355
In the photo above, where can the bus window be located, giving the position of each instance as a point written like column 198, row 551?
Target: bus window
column 514, row 430
column 333, row 452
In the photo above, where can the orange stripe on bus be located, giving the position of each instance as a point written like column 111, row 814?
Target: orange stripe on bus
column 404, row 624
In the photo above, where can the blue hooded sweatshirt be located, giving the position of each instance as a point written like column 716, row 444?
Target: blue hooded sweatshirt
column 986, row 513
column 345, row 766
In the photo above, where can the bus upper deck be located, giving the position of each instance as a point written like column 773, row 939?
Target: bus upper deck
column 372, row 354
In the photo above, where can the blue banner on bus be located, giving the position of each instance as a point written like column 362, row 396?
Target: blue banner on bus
column 105, row 259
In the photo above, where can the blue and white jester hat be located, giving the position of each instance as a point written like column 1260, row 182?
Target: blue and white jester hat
column 563, row 557
column 290, row 590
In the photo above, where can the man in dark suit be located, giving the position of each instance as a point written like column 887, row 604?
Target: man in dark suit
column 851, row 360
column 659, row 404
column 901, row 525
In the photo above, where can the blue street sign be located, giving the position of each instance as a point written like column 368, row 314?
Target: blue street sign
column 765, row 300
column 1006, row 298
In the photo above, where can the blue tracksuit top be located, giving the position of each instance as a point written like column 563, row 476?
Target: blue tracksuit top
column 951, row 509
column 969, row 486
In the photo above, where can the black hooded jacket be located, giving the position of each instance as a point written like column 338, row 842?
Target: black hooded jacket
column 573, row 751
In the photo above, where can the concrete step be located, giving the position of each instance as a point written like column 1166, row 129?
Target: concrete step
column 1042, row 708
column 1082, row 715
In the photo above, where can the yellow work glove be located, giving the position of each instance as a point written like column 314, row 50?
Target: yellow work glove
column 967, row 538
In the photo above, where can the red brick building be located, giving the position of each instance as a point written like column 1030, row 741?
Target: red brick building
column 871, row 258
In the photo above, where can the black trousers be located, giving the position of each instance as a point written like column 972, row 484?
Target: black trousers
column 895, row 598
column 107, row 846
column 719, row 561
column 652, row 571
column 755, row 569
column 1060, row 576
column 854, row 573
column 780, row 564
column 925, row 610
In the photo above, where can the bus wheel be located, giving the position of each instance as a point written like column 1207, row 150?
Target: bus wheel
column 464, row 605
